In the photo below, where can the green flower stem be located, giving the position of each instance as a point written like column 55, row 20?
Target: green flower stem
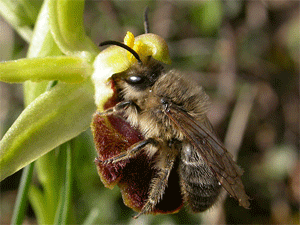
column 59, row 115
column 21, row 202
column 66, row 21
column 63, row 68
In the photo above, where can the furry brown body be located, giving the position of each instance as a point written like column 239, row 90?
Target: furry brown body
column 169, row 111
column 170, row 87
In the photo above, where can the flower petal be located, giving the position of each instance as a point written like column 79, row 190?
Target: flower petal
column 110, row 61
column 157, row 45
column 63, row 68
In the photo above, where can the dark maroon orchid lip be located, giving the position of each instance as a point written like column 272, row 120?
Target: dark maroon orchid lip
column 112, row 135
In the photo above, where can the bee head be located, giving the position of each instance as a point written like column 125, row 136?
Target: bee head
column 141, row 75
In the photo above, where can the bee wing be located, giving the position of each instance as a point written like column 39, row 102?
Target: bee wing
column 202, row 137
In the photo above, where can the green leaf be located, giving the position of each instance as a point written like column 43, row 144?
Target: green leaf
column 63, row 68
column 53, row 118
column 66, row 21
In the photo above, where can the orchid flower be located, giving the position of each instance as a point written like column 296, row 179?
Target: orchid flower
column 64, row 111
column 65, row 82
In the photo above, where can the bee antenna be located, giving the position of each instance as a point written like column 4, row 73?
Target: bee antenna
column 146, row 21
column 134, row 53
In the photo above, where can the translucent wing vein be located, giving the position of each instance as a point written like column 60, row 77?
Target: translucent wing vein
column 202, row 137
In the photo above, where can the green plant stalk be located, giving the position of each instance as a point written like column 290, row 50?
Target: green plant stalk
column 42, row 43
column 63, row 207
column 21, row 202
column 68, row 186
column 58, row 106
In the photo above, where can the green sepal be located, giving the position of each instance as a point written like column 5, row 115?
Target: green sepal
column 53, row 118
column 66, row 22
column 42, row 43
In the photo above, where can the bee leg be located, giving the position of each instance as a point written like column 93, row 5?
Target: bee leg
column 132, row 151
column 159, row 184
column 117, row 108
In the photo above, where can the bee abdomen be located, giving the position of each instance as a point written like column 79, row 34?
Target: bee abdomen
column 199, row 185
column 200, row 196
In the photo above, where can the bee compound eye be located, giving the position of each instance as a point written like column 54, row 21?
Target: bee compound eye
column 135, row 80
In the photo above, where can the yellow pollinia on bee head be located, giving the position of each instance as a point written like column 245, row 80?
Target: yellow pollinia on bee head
column 115, row 59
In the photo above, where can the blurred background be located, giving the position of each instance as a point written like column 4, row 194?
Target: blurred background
column 246, row 56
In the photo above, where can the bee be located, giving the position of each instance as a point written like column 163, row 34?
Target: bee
column 162, row 116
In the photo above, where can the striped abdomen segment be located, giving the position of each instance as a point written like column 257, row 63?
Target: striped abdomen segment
column 199, row 185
